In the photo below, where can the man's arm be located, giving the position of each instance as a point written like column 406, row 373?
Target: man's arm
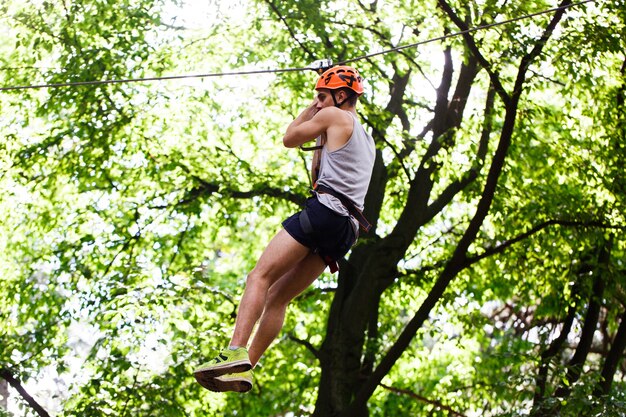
column 307, row 126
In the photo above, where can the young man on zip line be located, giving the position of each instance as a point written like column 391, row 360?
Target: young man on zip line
column 310, row 240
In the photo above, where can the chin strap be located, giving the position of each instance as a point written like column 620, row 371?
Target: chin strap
column 338, row 105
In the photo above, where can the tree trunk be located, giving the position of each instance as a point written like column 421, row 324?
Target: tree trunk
column 372, row 266
column 590, row 323
column 613, row 359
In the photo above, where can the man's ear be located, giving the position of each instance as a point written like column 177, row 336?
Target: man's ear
column 340, row 96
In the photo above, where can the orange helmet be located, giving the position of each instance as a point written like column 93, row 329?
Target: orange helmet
column 340, row 77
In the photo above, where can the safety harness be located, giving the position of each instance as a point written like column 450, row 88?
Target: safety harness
column 352, row 209
column 305, row 221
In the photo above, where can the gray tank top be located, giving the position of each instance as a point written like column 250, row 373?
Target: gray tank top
column 348, row 170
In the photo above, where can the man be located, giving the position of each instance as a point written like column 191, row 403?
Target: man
column 315, row 238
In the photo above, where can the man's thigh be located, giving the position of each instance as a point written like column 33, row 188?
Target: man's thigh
column 298, row 279
column 281, row 255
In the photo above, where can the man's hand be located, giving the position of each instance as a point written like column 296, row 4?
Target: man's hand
column 335, row 124
column 306, row 127
column 310, row 111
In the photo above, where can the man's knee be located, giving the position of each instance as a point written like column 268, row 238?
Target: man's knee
column 256, row 278
column 276, row 298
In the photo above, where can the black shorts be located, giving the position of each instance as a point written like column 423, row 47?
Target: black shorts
column 333, row 234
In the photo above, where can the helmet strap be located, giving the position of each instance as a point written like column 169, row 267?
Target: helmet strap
column 338, row 105
column 332, row 94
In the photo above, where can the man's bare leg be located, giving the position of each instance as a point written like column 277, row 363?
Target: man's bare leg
column 281, row 255
column 227, row 372
column 280, row 294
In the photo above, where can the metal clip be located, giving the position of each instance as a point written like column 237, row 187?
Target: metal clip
column 321, row 65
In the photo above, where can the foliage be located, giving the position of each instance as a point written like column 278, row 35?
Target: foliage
column 492, row 285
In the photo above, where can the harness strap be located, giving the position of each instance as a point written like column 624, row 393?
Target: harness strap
column 332, row 264
column 355, row 212
column 305, row 224
column 311, row 148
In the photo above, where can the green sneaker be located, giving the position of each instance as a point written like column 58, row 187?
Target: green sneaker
column 238, row 382
column 227, row 362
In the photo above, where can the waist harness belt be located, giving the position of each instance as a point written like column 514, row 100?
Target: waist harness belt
column 355, row 212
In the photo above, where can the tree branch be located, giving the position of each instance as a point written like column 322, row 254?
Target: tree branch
column 534, row 53
column 17, row 385
column 206, row 188
column 423, row 399
column 613, row 359
column 472, row 173
column 289, row 29
column 471, row 43
column 447, row 117
column 440, row 125
column 575, row 365
column 470, row 260
column 548, row 354
column 397, row 88
column 555, row 222
column 306, row 344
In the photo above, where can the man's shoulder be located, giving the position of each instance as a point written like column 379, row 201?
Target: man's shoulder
column 335, row 114
column 330, row 111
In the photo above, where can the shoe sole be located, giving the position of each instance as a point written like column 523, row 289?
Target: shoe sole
column 208, row 377
column 218, row 385
column 233, row 367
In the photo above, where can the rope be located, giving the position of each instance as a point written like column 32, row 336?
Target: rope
column 274, row 71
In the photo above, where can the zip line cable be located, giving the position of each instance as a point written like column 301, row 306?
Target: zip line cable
column 168, row 77
column 275, row 71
